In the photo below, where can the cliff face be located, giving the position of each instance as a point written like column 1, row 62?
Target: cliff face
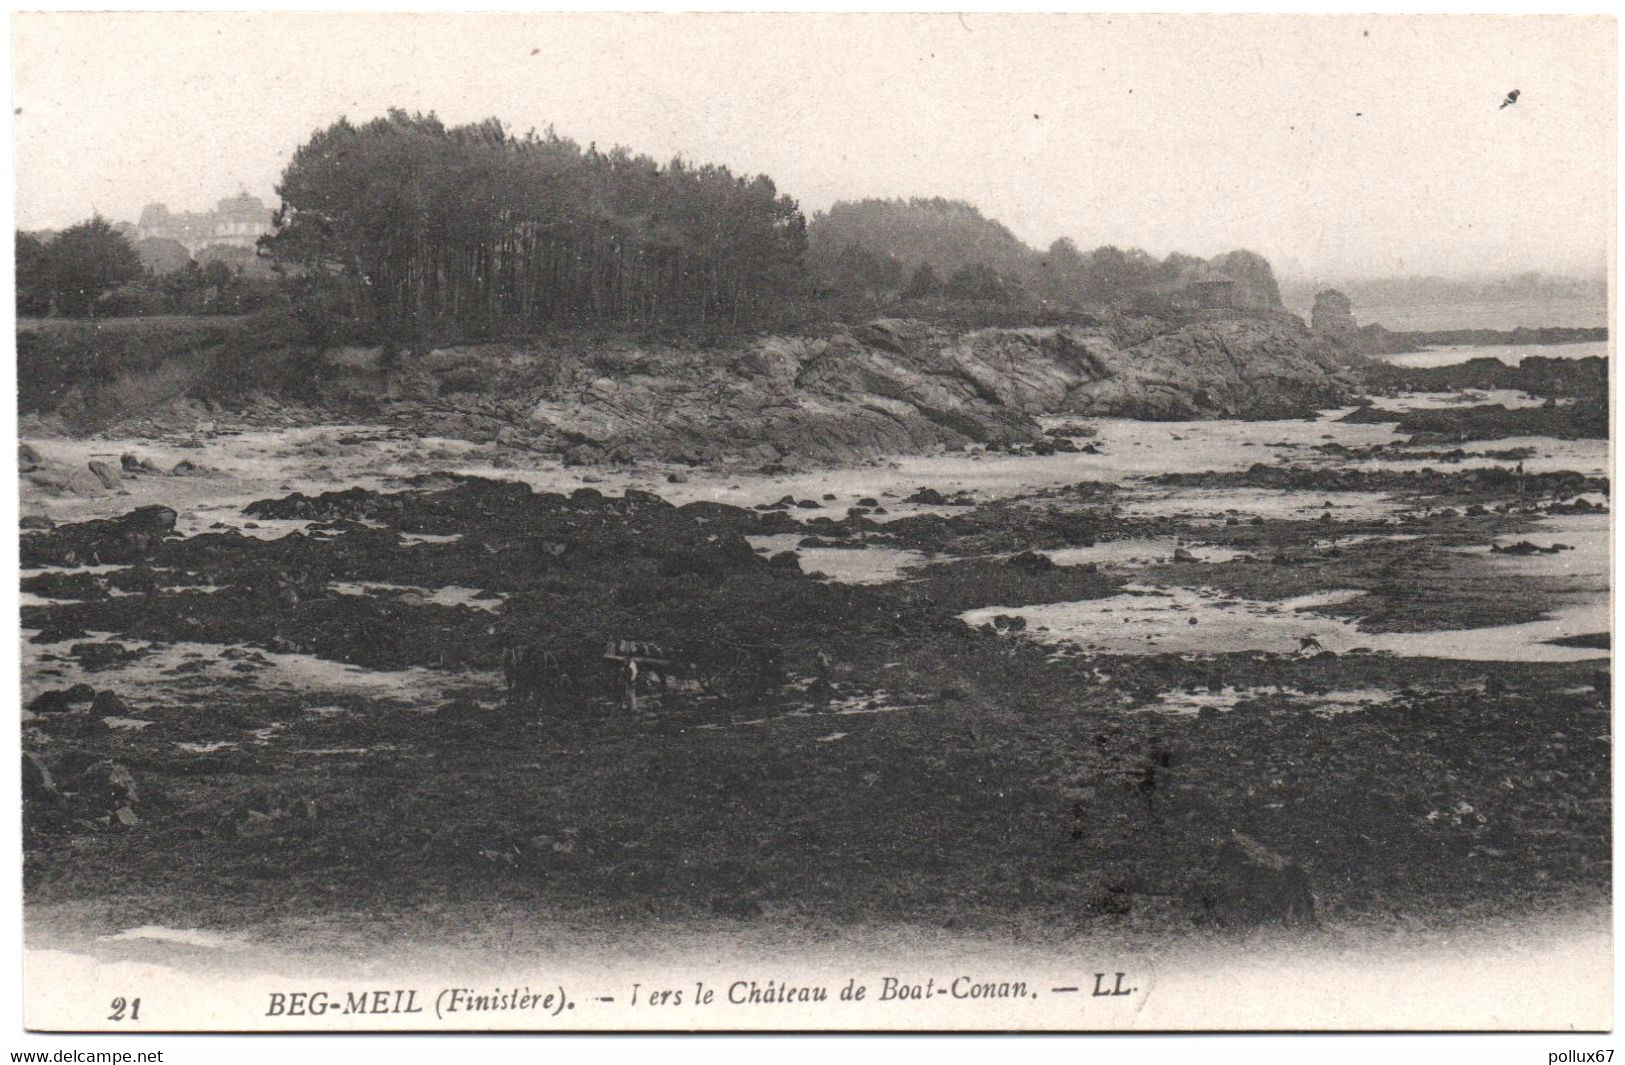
column 888, row 387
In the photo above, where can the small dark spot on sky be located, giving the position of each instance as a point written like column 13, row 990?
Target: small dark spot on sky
column 535, row 51
column 18, row 111
column 1358, row 114
column 1365, row 33
column 1035, row 114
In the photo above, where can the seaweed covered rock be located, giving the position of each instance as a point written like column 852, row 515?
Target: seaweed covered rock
column 571, row 571
column 134, row 537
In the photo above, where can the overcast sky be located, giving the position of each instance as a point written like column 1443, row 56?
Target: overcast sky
column 1337, row 146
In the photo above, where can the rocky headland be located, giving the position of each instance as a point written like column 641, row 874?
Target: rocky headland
column 886, row 387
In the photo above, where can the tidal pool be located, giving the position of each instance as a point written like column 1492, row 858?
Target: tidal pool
column 875, row 564
column 1147, row 620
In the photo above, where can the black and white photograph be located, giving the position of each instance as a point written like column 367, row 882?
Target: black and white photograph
column 814, row 522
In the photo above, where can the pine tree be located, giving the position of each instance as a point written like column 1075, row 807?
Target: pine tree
column 473, row 224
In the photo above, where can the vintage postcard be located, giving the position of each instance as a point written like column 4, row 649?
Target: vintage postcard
column 950, row 522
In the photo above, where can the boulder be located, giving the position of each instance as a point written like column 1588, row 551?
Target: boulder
column 1031, row 562
column 94, row 655
column 59, row 634
column 64, row 480
column 107, row 475
column 61, row 700
column 108, row 704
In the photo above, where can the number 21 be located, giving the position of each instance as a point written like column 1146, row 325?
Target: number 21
column 119, row 1006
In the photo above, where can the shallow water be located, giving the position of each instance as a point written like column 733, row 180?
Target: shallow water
column 430, row 538
column 449, row 595
column 269, row 463
column 875, row 564
column 1186, row 703
column 1144, row 620
column 1147, row 620
column 1146, row 551
column 153, row 682
column 1511, row 398
column 1588, row 457
column 1129, row 449
column 1214, row 505
column 1577, row 312
column 1363, row 538
column 130, row 724
column 1586, row 566
column 1511, row 354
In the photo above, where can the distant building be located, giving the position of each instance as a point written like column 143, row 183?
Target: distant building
column 237, row 221
column 1209, row 290
column 1199, row 287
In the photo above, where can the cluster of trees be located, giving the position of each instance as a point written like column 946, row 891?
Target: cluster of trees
column 71, row 272
column 947, row 234
column 200, row 286
column 92, row 269
column 422, row 223
column 882, row 250
column 1112, row 275
column 162, row 256
column 856, row 271
column 417, row 227
column 1105, row 275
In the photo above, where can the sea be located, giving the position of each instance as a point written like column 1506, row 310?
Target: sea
column 1509, row 314
column 1502, row 315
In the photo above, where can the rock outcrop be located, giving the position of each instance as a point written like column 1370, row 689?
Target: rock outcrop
column 849, row 393
column 887, row 387
column 1333, row 316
